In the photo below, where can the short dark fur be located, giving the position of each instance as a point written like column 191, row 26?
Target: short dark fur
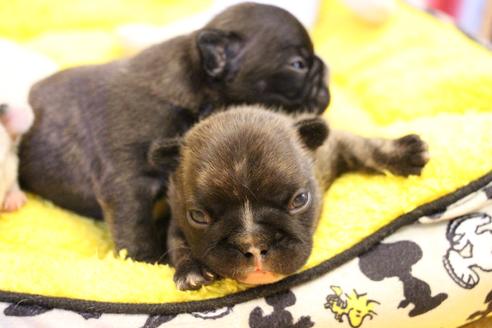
column 261, row 158
column 87, row 150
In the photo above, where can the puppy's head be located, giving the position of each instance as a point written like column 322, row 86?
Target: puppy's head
column 256, row 53
column 244, row 194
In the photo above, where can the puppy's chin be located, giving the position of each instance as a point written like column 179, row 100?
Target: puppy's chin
column 268, row 272
column 260, row 277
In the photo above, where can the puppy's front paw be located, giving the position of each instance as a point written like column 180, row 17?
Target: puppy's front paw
column 14, row 200
column 409, row 156
column 192, row 276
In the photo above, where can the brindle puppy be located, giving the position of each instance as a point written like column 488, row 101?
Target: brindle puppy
column 87, row 149
column 246, row 196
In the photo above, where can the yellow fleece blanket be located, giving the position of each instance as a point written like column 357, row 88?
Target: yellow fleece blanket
column 412, row 74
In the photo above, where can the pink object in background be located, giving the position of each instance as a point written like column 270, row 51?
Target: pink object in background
column 450, row 7
column 18, row 120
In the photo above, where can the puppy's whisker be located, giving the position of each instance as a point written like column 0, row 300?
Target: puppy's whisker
column 172, row 250
column 208, row 250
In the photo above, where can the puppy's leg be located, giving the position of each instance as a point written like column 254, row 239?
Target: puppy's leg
column 127, row 209
column 403, row 156
column 14, row 199
column 344, row 151
column 190, row 274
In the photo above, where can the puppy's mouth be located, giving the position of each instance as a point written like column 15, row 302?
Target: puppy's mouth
column 264, row 262
column 259, row 273
column 260, row 277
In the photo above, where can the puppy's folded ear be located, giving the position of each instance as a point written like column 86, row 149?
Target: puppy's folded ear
column 218, row 49
column 313, row 131
column 163, row 153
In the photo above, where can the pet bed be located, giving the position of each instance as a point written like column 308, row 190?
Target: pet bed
column 389, row 251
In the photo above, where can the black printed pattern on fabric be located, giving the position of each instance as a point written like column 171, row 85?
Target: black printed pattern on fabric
column 213, row 315
column 395, row 260
column 488, row 192
column 90, row 315
column 24, row 310
column 280, row 317
column 31, row 310
column 470, row 238
column 482, row 314
column 155, row 321
column 478, row 196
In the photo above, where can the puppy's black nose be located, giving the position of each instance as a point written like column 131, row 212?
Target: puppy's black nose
column 256, row 252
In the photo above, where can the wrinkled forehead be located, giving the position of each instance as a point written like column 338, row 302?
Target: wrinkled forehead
column 271, row 178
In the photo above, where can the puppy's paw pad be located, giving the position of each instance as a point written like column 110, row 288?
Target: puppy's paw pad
column 193, row 277
column 410, row 155
column 14, row 200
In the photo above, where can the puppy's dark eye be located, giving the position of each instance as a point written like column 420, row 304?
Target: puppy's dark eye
column 298, row 63
column 198, row 218
column 299, row 201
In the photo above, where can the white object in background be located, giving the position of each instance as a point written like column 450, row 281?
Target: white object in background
column 19, row 69
column 136, row 37
column 372, row 11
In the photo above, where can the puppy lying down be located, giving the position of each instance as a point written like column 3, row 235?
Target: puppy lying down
column 247, row 193
column 101, row 119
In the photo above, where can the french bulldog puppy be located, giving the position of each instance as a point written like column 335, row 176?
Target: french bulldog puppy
column 87, row 149
column 246, row 195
